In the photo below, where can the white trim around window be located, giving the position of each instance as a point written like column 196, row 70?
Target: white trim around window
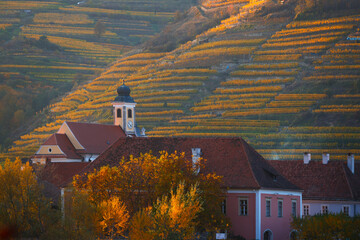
column 267, row 207
column 294, row 207
column 306, row 210
column 324, row 209
column 346, row 210
column 280, row 208
column 243, row 203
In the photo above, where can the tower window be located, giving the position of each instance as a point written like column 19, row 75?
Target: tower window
column 118, row 113
column 129, row 113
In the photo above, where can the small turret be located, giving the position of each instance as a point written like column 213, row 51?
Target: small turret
column 124, row 110
column 124, row 94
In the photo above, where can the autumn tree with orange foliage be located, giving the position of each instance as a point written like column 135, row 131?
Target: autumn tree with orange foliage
column 114, row 217
column 139, row 182
column 171, row 217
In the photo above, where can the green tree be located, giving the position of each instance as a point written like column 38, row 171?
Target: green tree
column 328, row 226
column 99, row 28
column 22, row 204
column 82, row 218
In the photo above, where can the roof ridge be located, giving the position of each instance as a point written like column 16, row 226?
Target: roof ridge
column 347, row 180
column 56, row 138
column 75, row 137
column 100, row 124
column 241, row 142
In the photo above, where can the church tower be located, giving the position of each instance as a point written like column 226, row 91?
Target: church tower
column 124, row 110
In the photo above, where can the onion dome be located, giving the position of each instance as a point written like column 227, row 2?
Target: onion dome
column 124, row 94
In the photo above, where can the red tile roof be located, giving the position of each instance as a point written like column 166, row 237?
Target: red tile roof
column 61, row 173
column 332, row 181
column 64, row 144
column 95, row 138
column 241, row 166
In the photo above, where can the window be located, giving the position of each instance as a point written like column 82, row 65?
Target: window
column 346, row 210
column 118, row 113
column 268, row 235
column 129, row 113
column 50, row 150
column 243, row 206
column 223, row 207
column 280, row 208
column 268, row 207
column 293, row 207
column 324, row 209
column 306, row 210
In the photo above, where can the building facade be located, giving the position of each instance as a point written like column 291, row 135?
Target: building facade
column 329, row 186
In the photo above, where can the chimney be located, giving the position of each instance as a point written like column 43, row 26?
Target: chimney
column 307, row 157
column 143, row 134
column 351, row 162
column 196, row 153
column 325, row 158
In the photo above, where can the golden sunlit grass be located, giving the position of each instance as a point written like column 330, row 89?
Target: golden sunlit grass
column 61, row 30
column 5, row 25
column 62, row 18
column 24, row 5
column 112, row 11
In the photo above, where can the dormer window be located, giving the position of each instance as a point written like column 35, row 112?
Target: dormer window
column 129, row 113
column 50, row 150
column 118, row 113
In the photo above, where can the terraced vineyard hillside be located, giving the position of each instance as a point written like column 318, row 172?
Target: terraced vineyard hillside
column 287, row 87
column 49, row 48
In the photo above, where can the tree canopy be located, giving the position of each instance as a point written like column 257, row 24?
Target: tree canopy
column 139, row 182
column 23, row 207
column 327, row 226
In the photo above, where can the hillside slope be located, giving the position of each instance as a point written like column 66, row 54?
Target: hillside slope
column 49, row 48
column 285, row 86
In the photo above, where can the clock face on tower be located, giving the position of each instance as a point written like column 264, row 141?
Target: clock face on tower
column 130, row 124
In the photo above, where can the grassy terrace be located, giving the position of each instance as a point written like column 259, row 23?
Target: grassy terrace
column 258, row 92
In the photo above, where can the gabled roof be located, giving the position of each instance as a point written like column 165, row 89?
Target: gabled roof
column 64, row 144
column 94, row 138
column 61, row 174
column 240, row 165
column 331, row 181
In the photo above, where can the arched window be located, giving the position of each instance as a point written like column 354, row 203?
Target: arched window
column 293, row 235
column 268, row 235
column 118, row 113
column 129, row 113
